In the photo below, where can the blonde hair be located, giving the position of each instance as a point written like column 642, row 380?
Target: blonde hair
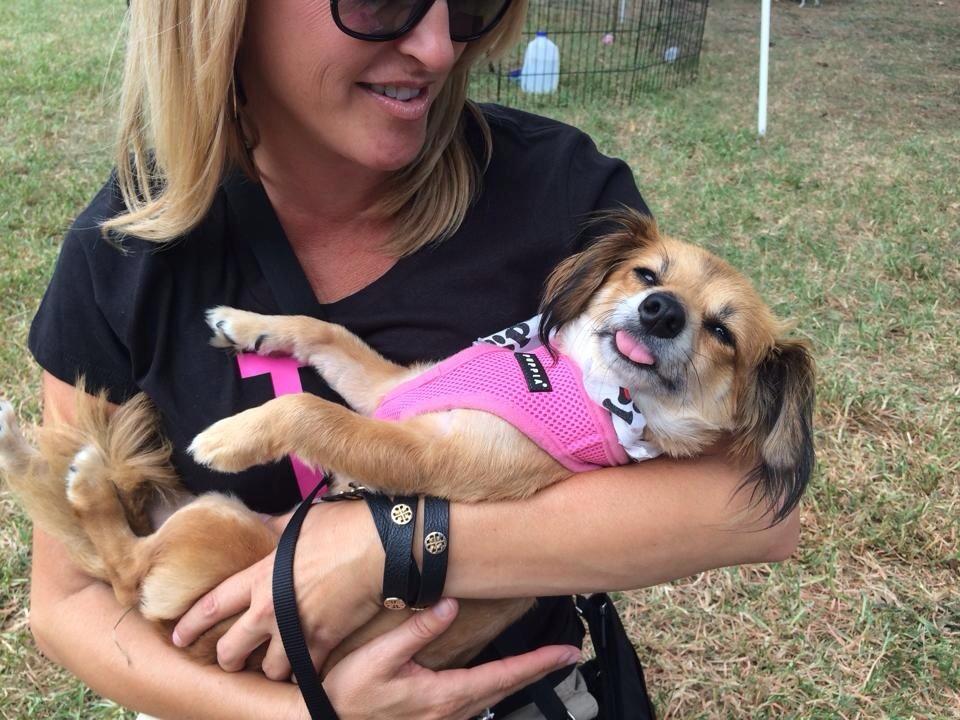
column 179, row 129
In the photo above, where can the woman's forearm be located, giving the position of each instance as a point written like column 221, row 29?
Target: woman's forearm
column 614, row 529
column 73, row 619
column 74, row 624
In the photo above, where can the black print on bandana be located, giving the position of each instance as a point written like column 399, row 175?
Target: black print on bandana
column 513, row 338
column 533, row 373
column 625, row 415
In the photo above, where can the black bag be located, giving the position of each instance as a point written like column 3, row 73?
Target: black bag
column 614, row 677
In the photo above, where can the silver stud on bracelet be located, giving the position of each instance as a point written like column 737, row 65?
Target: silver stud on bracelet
column 435, row 543
column 401, row 514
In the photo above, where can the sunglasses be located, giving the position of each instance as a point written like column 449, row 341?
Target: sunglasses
column 383, row 20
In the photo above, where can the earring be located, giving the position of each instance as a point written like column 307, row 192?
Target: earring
column 237, row 100
column 233, row 98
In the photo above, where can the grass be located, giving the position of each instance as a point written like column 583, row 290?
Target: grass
column 846, row 216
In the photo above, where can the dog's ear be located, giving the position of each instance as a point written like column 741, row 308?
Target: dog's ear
column 574, row 281
column 775, row 425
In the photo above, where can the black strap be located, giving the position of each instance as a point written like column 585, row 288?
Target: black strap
column 278, row 263
column 620, row 686
column 513, row 641
column 379, row 506
column 435, row 544
column 288, row 619
column 614, row 677
column 396, row 521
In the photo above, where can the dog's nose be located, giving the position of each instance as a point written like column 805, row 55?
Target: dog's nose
column 662, row 315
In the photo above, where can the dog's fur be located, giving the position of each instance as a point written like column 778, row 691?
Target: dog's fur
column 728, row 372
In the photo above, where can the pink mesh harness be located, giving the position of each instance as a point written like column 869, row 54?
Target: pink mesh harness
column 541, row 397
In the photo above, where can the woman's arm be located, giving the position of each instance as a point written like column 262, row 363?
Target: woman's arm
column 617, row 528
column 74, row 619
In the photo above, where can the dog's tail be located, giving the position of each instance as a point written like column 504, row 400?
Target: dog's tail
column 136, row 461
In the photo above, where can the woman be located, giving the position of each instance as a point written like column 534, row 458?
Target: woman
column 305, row 156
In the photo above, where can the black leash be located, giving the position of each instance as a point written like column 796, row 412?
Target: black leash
column 288, row 619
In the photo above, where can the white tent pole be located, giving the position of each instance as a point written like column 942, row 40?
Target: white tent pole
column 764, row 64
column 623, row 10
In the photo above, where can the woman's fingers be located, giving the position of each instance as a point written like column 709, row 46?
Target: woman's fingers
column 243, row 637
column 488, row 684
column 398, row 646
column 474, row 689
column 379, row 679
column 275, row 664
column 229, row 598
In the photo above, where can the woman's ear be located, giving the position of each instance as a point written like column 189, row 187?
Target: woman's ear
column 575, row 281
column 775, row 424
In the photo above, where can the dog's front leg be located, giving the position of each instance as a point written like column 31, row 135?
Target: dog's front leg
column 388, row 456
column 351, row 367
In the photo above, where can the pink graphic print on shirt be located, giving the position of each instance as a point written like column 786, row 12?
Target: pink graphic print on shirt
column 284, row 373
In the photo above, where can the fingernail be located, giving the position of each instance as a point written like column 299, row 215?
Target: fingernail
column 570, row 658
column 177, row 640
column 443, row 609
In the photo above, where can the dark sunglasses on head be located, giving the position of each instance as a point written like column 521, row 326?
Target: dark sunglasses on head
column 382, row 20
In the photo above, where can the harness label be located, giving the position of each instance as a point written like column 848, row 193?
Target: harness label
column 533, row 372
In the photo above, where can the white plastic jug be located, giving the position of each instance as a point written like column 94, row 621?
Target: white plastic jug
column 541, row 66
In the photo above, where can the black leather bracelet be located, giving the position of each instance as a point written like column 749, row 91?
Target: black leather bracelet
column 395, row 521
column 435, row 546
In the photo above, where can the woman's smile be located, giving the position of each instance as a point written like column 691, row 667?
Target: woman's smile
column 402, row 100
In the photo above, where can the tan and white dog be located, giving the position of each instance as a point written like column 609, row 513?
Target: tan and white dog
column 701, row 357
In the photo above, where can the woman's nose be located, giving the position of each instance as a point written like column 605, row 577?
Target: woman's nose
column 429, row 42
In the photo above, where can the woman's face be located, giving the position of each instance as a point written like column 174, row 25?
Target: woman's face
column 314, row 91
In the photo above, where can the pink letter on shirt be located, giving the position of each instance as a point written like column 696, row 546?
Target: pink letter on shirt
column 284, row 374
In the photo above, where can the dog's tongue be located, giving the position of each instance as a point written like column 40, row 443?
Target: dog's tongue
column 633, row 349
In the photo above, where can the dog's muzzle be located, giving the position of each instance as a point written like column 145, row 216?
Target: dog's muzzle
column 662, row 315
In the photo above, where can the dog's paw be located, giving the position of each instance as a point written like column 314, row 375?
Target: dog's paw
column 232, row 445
column 15, row 451
column 241, row 331
column 84, row 480
column 11, row 439
column 8, row 421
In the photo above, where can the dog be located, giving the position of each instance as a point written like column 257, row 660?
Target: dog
column 674, row 350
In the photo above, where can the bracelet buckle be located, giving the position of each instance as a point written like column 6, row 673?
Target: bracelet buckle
column 356, row 492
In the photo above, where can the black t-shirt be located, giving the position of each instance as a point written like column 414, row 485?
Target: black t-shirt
column 133, row 321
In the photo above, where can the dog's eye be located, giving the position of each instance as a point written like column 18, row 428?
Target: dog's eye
column 646, row 275
column 720, row 331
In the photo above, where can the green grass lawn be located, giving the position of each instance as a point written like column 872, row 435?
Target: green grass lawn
column 846, row 216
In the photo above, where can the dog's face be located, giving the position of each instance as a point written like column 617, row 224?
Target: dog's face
column 693, row 342
column 681, row 330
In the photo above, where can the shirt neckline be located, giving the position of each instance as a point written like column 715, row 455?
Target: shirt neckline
column 259, row 227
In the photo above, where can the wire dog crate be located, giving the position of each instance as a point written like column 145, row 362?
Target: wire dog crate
column 609, row 50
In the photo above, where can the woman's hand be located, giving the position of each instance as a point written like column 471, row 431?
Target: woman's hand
column 380, row 680
column 338, row 569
